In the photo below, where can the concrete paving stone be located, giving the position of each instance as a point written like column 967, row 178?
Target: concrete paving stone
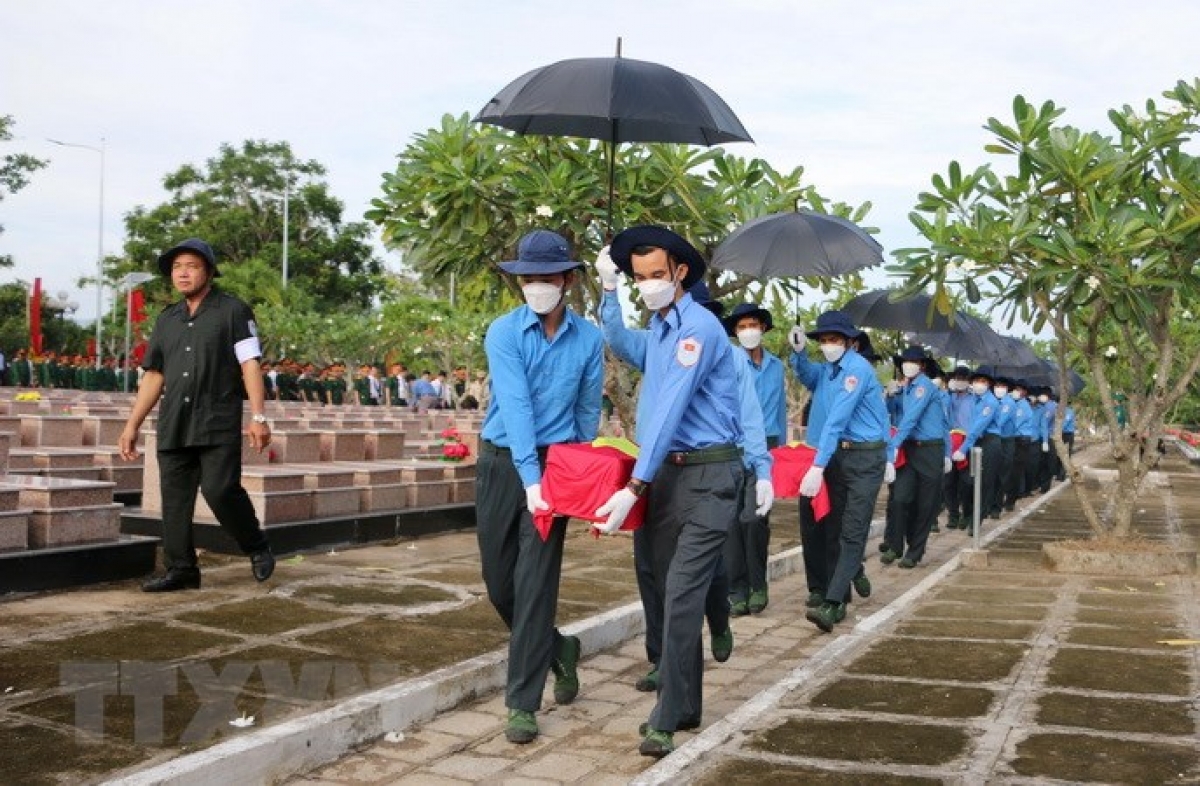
column 557, row 766
column 469, row 766
column 466, row 723
column 365, row 768
column 606, row 662
column 524, row 781
column 427, row 778
column 422, row 746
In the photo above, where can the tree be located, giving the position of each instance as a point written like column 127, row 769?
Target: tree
column 1095, row 236
column 234, row 202
column 15, row 169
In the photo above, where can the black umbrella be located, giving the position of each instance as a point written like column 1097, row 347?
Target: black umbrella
column 797, row 243
column 879, row 308
column 971, row 338
column 1043, row 372
column 614, row 99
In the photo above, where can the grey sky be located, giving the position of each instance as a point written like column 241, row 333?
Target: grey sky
column 870, row 97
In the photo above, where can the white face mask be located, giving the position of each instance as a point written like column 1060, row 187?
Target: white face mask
column 657, row 293
column 1017, row 395
column 1043, row 398
column 910, row 370
column 750, row 338
column 541, row 297
column 833, row 352
column 1000, row 392
column 958, row 385
column 979, row 388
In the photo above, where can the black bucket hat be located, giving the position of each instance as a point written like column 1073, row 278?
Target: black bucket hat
column 192, row 245
column 748, row 310
column 625, row 242
column 911, row 353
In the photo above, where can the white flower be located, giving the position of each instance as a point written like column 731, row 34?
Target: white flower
column 1187, row 314
column 544, row 211
column 967, row 266
column 1111, row 352
column 428, row 209
column 1092, row 282
column 668, row 200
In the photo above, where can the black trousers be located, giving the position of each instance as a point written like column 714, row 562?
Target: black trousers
column 521, row 572
column 1008, row 449
column 1014, row 489
column 916, row 497
column 216, row 471
column 990, row 471
column 690, row 511
column 853, row 479
column 748, row 547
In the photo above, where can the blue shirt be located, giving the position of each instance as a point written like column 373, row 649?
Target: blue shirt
column 756, row 456
column 544, row 391
column 423, row 387
column 1049, row 410
column 922, row 416
column 690, row 397
column 769, row 385
column 983, row 419
column 962, row 405
column 1024, row 423
column 847, row 403
column 1068, row 426
column 1005, row 426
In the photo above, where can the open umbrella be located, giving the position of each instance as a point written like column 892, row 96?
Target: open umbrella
column 973, row 339
column 614, row 99
column 1043, row 372
column 797, row 243
column 878, row 308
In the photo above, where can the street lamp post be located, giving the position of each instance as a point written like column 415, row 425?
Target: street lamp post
column 285, row 197
column 99, row 241
column 130, row 282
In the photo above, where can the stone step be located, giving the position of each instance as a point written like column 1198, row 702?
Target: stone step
column 62, row 526
column 14, row 529
column 270, row 479
column 51, row 430
column 10, row 497
column 384, row 444
column 11, row 424
column 53, row 458
column 102, row 430
column 126, row 479
column 343, row 445
column 48, row 494
column 295, row 445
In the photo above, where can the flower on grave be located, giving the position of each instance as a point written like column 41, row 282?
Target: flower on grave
column 31, row 395
column 453, row 448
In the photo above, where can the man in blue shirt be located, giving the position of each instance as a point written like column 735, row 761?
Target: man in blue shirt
column 984, row 431
column 1068, row 433
column 1025, row 447
column 958, row 482
column 848, row 426
column 689, row 463
column 1048, row 468
column 1008, row 441
column 749, row 542
column 547, row 366
column 922, row 432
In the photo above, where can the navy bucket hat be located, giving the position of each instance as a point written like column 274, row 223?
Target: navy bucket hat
column 911, row 354
column 625, row 242
column 985, row 372
column 748, row 310
column 541, row 253
column 192, row 245
column 834, row 322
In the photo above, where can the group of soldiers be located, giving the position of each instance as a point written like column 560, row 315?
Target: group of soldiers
column 72, row 372
column 337, row 385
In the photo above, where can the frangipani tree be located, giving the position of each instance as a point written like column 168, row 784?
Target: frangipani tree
column 1094, row 235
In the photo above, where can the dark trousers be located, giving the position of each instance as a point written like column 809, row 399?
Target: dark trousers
column 216, row 471
column 989, row 470
column 521, row 573
column 853, row 478
column 747, row 549
column 1008, row 449
column 1014, row 489
column 955, row 488
column 1033, row 464
column 915, row 499
column 819, row 541
column 690, row 511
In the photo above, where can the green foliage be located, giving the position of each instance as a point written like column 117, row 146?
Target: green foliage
column 234, row 202
column 1095, row 235
column 15, row 169
column 58, row 334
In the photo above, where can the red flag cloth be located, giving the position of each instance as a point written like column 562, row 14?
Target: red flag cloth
column 900, row 457
column 579, row 478
column 957, row 438
column 790, row 463
column 91, row 348
column 139, row 351
column 35, row 318
column 137, row 306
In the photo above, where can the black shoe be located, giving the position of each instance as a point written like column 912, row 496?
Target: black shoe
column 174, row 579
column 262, row 563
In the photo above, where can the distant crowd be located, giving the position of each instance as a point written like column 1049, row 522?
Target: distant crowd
column 74, row 372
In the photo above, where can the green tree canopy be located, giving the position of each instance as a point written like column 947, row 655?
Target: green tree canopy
column 1096, row 236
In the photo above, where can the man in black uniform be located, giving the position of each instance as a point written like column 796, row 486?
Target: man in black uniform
column 203, row 359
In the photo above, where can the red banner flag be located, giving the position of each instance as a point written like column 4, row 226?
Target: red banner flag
column 137, row 307
column 35, row 318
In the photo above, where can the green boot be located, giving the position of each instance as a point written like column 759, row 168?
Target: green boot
column 649, row 683
column 657, row 743
column 758, row 601
column 566, row 670
column 522, row 727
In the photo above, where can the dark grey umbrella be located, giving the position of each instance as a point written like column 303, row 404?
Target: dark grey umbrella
column 880, row 308
column 1043, row 372
column 614, row 99
column 799, row 243
column 973, row 339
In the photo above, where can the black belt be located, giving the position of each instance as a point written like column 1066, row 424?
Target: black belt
column 848, row 445
column 773, row 442
column 1024, row 440
column 710, row 455
column 491, row 447
column 925, row 443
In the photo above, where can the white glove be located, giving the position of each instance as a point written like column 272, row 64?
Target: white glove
column 533, row 499
column 616, row 509
column 810, row 486
column 1045, row 447
column 893, row 388
column 947, row 466
column 889, row 473
column 797, row 338
column 764, row 496
column 609, row 275
column 959, row 456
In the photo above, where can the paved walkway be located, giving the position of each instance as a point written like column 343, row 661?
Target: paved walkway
column 945, row 675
